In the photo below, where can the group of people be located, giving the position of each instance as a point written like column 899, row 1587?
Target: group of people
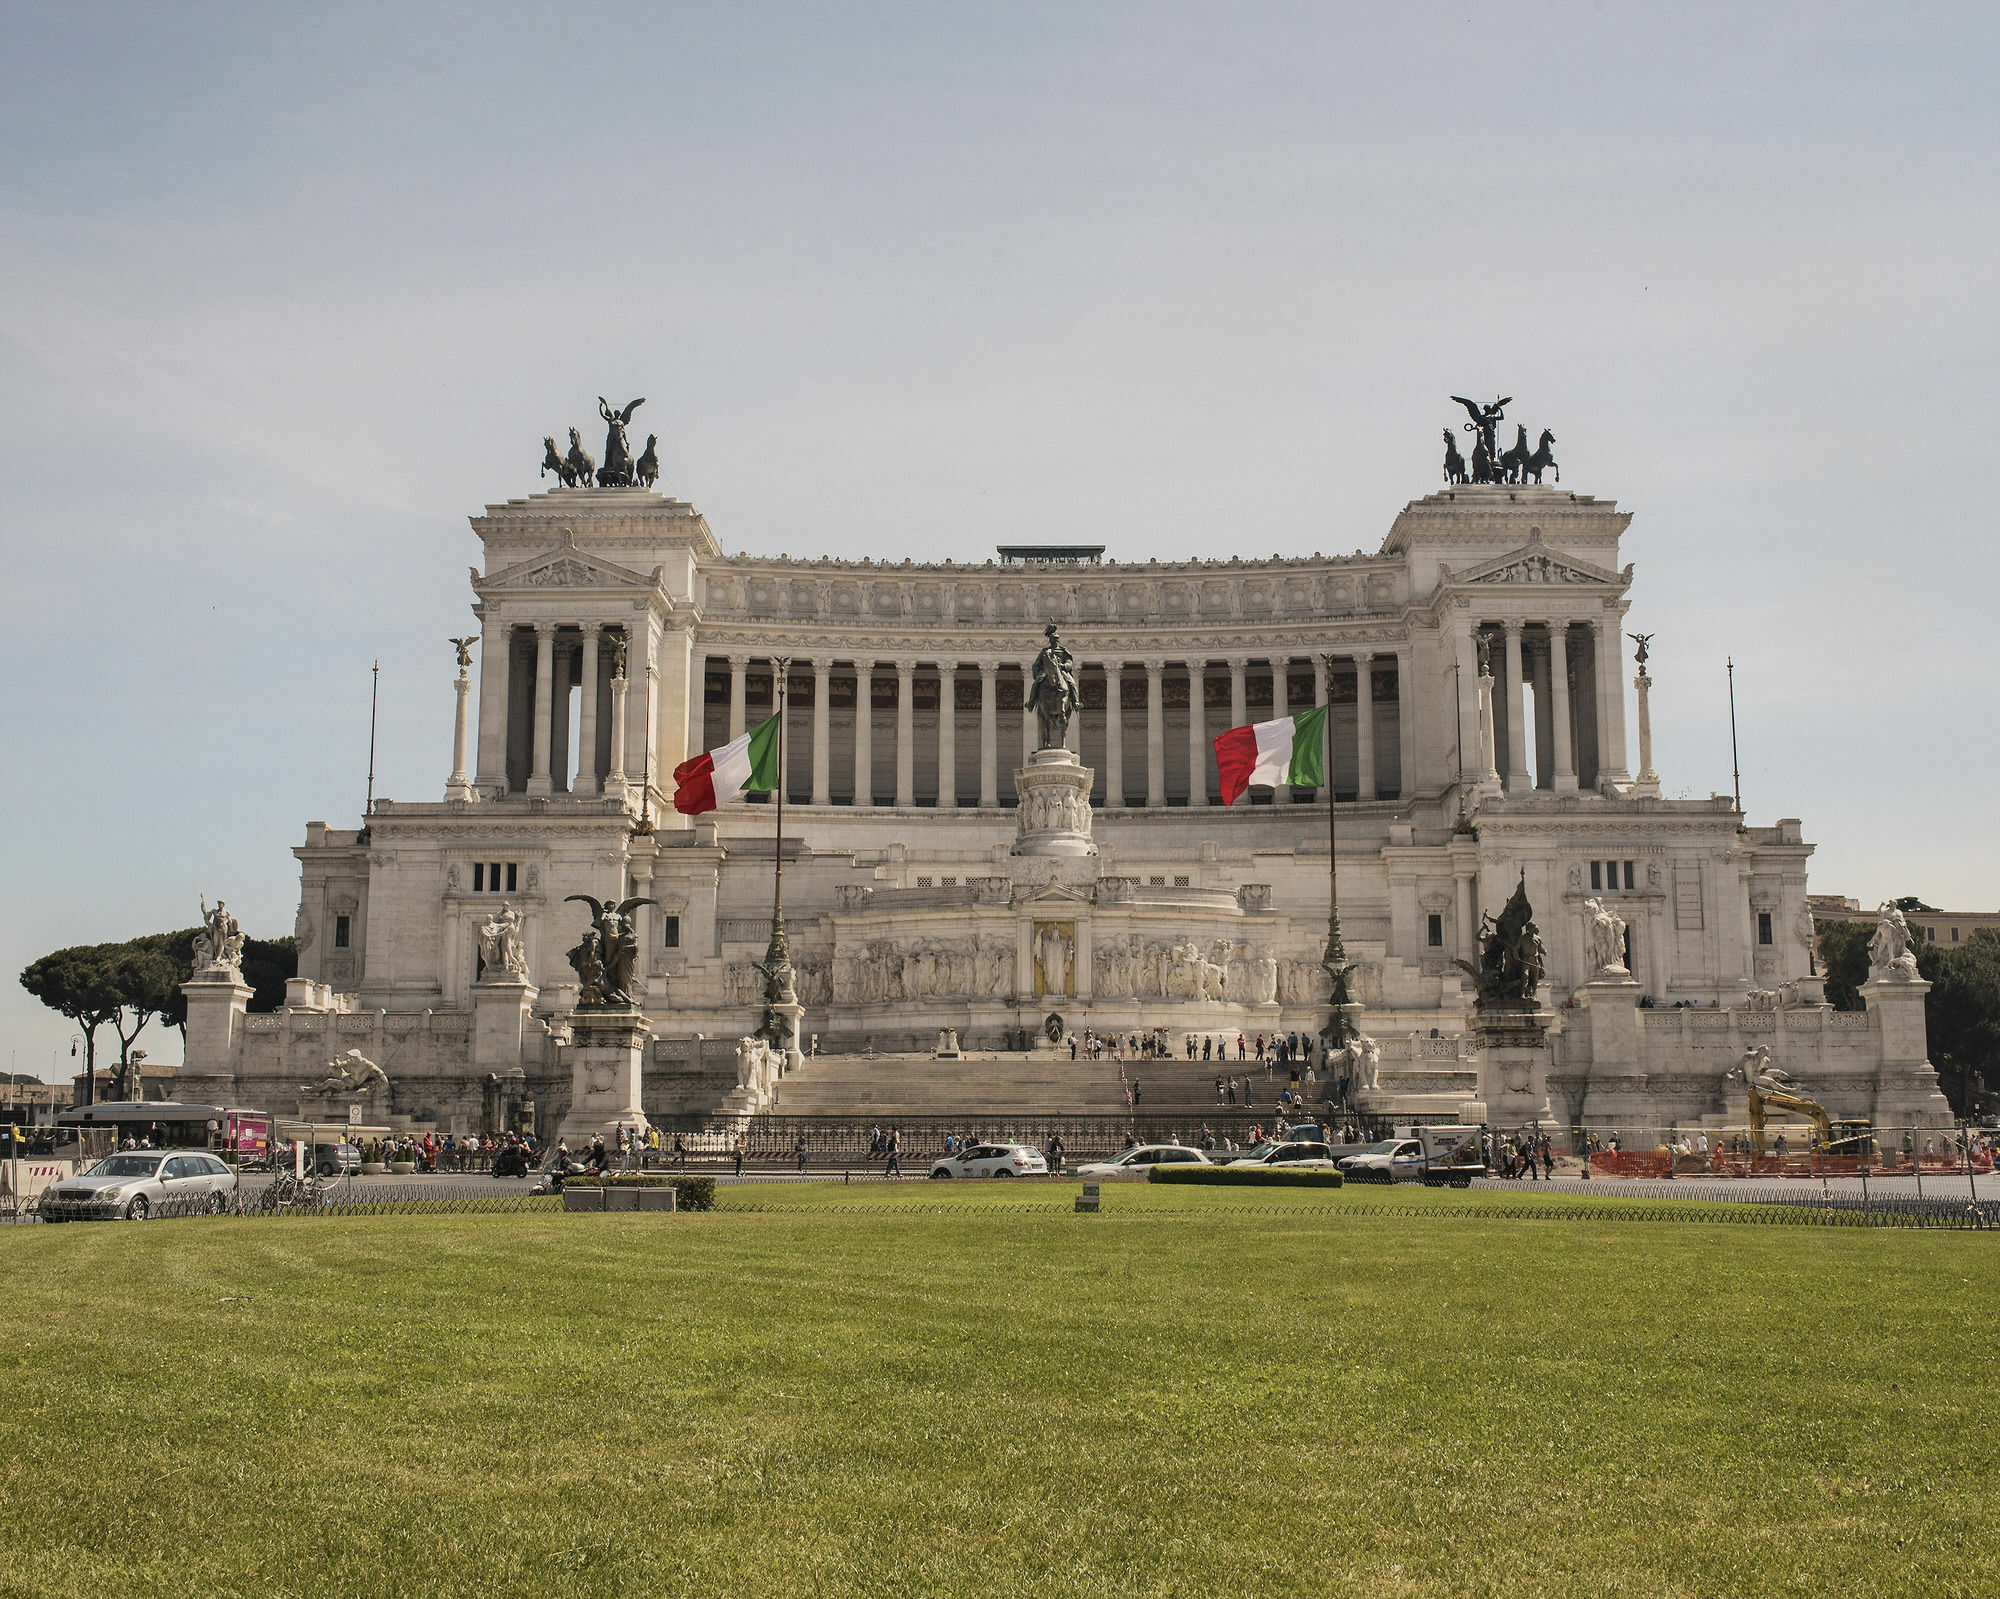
column 453, row 1152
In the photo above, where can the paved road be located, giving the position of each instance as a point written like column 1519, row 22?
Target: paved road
column 1705, row 1189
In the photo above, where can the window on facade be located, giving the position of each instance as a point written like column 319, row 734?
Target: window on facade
column 1596, row 874
column 1763, row 927
column 478, row 877
column 1156, row 882
column 512, row 868
column 1930, row 935
column 340, row 932
column 923, row 882
column 670, row 932
column 1954, row 935
column 1628, row 874
column 1436, row 933
column 1180, row 882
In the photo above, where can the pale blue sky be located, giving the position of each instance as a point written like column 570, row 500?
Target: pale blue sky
column 286, row 293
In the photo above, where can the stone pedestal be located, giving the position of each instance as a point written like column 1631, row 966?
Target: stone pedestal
column 1906, row 1085
column 502, row 1013
column 337, row 1110
column 947, row 1047
column 1054, row 813
column 216, row 1001
column 1514, row 1065
column 607, row 1054
column 1607, row 1022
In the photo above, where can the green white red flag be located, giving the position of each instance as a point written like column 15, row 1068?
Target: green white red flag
column 746, row 765
column 1287, row 751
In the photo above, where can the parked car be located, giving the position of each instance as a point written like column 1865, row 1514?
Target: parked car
column 136, row 1183
column 1290, row 1153
column 1138, row 1162
column 336, row 1160
column 1385, row 1161
column 992, row 1160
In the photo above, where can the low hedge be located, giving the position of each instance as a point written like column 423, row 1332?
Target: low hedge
column 1247, row 1176
column 690, row 1193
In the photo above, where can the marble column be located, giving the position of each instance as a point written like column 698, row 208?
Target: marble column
column 864, row 733
column 1611, row 756
column 1565, row 746
column 495, row 647
column 1198, row 750
column 650, row 776
column 459, row 785
column 585, row 782
column 614, row 780
column 1156, row 737
column 1517, row 721
column 822, row 789
column 1406, row 728
column 1468, row 921
column 1467, row 697
column 738, row 667
column 1114, row 735
column 1489, row 755
column 906, row 746
column 545, row 679
column 559, row 767
column 989, row 734
column 947, row 781
column 1648, row 781
column 1540, row 668
column 1281, row 705
column 1321, row 686
column 1239, row 698
column 1364, row 725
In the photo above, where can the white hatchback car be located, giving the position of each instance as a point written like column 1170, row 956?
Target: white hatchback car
column 992, row 1160
column 1140, row 1161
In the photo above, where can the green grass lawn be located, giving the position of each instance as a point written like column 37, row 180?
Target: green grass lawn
column 953, row 1389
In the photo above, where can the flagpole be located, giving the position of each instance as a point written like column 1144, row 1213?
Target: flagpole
column 778, row 990
column 1335, row 959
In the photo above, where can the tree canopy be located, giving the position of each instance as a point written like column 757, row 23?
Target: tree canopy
column 128, row 985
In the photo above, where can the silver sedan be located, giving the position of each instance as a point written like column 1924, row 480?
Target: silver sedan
column 137, row 1183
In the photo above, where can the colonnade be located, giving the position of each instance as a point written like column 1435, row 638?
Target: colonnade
column 1104, row 723
column 525, row 709
column 1577, row 715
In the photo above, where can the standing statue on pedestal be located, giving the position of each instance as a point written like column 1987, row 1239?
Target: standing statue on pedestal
column 1643, row 641
column 1054, row 697
column 616, row 473
column 500, row 945
column 220, row 942
column 1513, row 961
column 608, row 953
column 1606, row 931
column 464, row 646
column 1889, row 953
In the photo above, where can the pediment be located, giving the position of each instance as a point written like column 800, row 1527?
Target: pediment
column 565, row 566
column 1051, row 893
column 1534, row 564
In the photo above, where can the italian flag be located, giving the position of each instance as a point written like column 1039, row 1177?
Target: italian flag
column 1287, row 751
column 746, row 765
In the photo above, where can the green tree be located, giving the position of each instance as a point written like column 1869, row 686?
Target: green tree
column 78, row 983
column 1843, row 953
column 146, row 980
column 1962, row 1015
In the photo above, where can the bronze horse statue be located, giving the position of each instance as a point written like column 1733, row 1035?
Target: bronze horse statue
column 1454, row 463
column 553, row 461
column 1514, row 462
column 579, row 461
column 647, row 470
column 1543, row 460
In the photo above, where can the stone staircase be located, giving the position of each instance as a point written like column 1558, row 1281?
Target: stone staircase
column 976, row 1085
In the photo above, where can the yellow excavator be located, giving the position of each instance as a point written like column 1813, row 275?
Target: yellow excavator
column 1766, row 1085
